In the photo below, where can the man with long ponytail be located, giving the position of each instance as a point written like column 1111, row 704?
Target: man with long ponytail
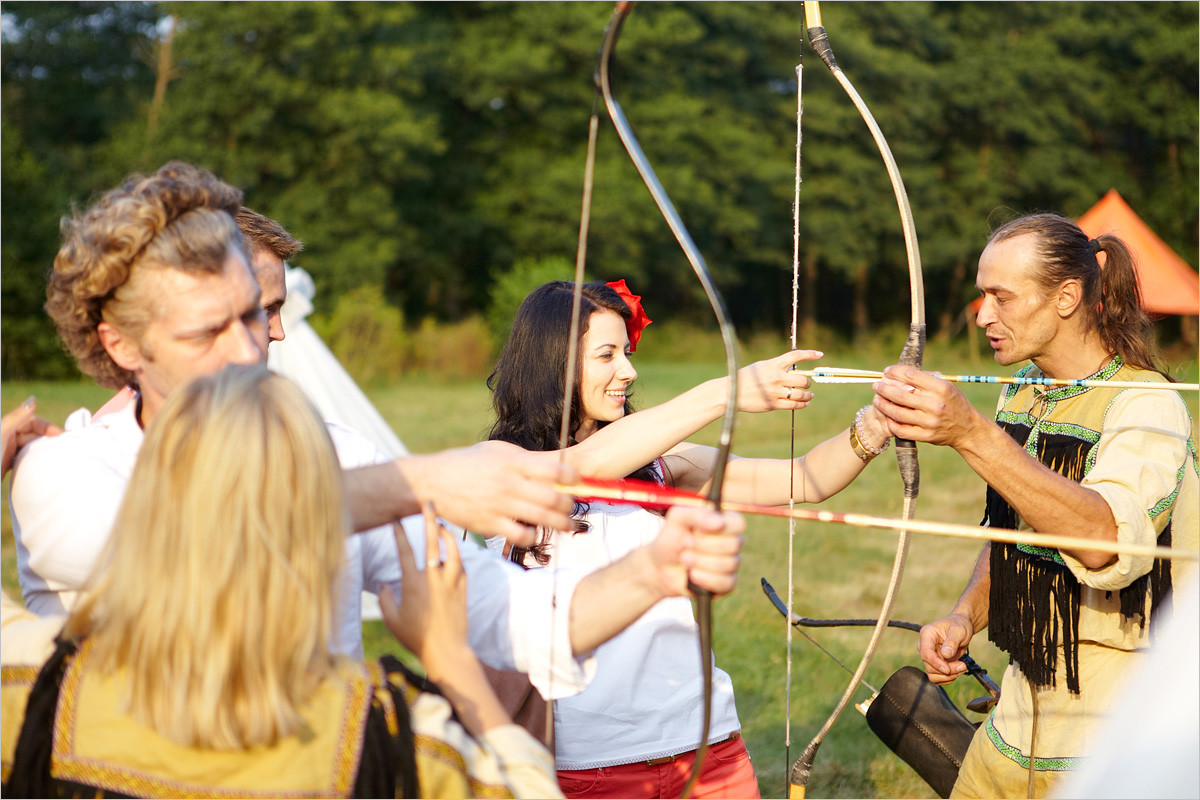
column 1107, row 464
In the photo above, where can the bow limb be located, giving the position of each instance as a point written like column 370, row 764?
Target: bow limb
column 585, row 217
column 981, row 705
column 906, row 450
column 667, row 208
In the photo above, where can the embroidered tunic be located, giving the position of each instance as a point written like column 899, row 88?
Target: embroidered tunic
column 1070, row 631
column 371, row 730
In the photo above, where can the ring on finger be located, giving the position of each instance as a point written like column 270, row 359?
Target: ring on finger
column 787, row 395
column 432, row 564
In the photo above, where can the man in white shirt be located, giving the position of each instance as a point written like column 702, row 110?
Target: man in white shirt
column 152, row 287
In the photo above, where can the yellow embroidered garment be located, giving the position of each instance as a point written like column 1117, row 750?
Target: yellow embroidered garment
column 94, row 744
column 1134, row 448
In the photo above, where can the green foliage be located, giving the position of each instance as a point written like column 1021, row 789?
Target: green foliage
column 369, row 338
column 511, row 287
column 29, row 344
column 679, row 341
column 312, row 108
column 72, row 71
column 452, row 350
column 428, row 148
column 366, row 334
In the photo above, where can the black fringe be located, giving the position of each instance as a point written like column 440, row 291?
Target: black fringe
column 1156, row 583
column 1034, row 601
column 1039, row 601
column 1162, row 590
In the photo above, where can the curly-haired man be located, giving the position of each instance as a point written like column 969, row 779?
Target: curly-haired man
column 152, row 287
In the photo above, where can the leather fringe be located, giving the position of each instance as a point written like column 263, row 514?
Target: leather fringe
column 1034, row 603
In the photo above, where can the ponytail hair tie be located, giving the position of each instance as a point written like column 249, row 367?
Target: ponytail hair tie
column 1096, row 244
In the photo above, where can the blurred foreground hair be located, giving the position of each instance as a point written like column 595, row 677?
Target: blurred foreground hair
column 215, row 594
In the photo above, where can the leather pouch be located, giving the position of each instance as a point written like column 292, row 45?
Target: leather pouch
column 917, row 720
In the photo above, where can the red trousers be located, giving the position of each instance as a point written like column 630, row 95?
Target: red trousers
column 726, row 772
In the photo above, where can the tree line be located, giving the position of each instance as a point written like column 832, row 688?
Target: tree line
column 421, row 150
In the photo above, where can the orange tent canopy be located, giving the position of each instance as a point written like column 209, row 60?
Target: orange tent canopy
column 1167, row 284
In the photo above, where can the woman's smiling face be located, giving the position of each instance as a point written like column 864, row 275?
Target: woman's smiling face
column 606, row 372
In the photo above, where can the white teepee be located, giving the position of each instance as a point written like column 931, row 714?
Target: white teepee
column 304, row 358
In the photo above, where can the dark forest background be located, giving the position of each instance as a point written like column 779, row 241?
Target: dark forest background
column 426, row 153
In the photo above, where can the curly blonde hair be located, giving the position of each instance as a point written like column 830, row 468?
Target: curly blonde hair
column 181, row 217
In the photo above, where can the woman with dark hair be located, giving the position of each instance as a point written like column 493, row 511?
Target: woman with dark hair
column 633, row 731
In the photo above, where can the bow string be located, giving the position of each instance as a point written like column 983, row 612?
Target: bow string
column 791, row 527
column 906, row 450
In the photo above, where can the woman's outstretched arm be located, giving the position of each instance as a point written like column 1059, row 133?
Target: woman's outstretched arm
column 430, row 619
column 630, row 443
column 818, row 474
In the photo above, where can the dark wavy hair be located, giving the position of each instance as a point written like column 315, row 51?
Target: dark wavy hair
column 1111, row 300
column 528, row 382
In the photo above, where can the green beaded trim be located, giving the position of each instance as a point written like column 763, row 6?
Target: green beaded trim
column 1060, row 764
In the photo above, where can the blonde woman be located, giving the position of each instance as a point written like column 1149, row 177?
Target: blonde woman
column 198, row 663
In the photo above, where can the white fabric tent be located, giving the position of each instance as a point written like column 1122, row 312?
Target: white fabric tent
column 304, row 358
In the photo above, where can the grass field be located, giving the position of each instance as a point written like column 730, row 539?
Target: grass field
column 839, row 572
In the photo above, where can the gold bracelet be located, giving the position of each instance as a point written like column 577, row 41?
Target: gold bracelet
column 857, row 447
column 856, row 443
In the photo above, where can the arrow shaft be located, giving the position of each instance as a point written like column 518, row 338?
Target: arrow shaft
column 870, row 376
column 662, row 499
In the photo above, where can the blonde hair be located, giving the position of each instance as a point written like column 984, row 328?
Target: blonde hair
column 181, row 217
column 216, row 589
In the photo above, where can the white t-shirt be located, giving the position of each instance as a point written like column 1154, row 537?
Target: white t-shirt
column 646, row 699
column 67, row 489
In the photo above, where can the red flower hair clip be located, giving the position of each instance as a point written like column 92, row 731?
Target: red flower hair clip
column 638, row 321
